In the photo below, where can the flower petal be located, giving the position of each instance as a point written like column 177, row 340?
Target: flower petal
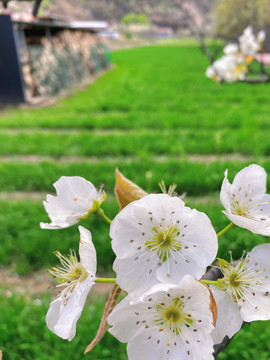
column 229, row 321
column 253, row 225
column 62, row 317
column 87, row 251
column 257, row 297
column 253, row 176
column 225, row 192
column 74, row 199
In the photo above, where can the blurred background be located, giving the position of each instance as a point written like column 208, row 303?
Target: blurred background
column 88, row 86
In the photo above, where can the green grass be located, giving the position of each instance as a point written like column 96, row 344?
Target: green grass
column 145, row 116
column 146, row 172
column 136, row 142
column 24, row 334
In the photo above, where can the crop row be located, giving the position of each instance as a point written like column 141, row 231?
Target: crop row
column 168, row 91
column 142, row 142
column 195, row 178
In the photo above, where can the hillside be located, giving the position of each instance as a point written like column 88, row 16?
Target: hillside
column 159, row 11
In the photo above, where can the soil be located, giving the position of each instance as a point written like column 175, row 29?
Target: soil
column 37, row 283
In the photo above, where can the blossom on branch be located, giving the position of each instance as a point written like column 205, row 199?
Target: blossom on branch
column 247, row 42
column 233, row 65
column 166, row 322
column 245, row 201
column 75, row 279
column 244, row 292
column 229, row 68
column 76, row 198
column 158, row 238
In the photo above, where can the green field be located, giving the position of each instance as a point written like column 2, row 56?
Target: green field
column 154, row 116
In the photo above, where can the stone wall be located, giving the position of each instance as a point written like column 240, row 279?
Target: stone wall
column 67, row 59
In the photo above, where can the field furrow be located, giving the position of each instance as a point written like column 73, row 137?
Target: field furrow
column 154, row 116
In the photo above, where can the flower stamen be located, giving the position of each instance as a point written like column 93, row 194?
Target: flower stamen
column 172, row 316
column 164, row 241
column 240, row 281
column 69, row 275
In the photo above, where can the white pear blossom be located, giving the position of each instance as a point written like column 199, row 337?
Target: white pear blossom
column 246, row 292
column 261, row 36
column 158, row 238
column 76, row 199
column 212, row 74
column 245, row 201
column 75, row 279
column 233, row 65
column 231, row 49
column 166, row 322
column 248, row 43
column 229, row 68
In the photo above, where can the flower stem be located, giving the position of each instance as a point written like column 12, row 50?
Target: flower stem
column 209, row 282
column 100, row 212
column 225, row 229
column 105, row 280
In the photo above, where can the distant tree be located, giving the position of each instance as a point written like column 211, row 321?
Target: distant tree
column 232, row 16
column 132, row 18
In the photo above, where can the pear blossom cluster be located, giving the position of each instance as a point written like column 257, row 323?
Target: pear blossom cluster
column 163, row 249
column 234, row 64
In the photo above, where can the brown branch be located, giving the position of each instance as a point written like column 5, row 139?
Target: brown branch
column 103, row 324
column 257, row 80
column 36, row 6
column 196, row 31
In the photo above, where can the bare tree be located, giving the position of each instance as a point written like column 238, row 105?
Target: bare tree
column 197, row 26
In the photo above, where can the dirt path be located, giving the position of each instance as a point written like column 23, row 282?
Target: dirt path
column 115, row 159
column 37, row 283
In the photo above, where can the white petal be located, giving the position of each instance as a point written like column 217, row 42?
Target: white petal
column 225, row 192
column 253, row 176
column 257, row 297
column 229, row 320
column 74, row 199
column 62, row 319
column 132, row 274
column 255, row 226
column 231, row 49
column 199, row 238
column 123, row 318
column 199, row 344
column 262, row 208
column 260, row 254
column 149, row 345
column 87, row 251
column 199, row 303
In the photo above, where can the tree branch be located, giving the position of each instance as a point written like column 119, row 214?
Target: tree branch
column 196, row 31
column 36, row 7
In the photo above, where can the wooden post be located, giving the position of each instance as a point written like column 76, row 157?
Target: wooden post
column 11, row 79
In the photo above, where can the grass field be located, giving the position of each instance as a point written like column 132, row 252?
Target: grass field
column 154, row 116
